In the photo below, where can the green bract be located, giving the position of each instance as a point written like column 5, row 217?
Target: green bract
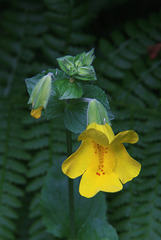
column 41, row 92
column 79, row 66
column 97, row 113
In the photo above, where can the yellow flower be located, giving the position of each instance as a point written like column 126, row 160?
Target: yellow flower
column 36, row 113
column 103, row 160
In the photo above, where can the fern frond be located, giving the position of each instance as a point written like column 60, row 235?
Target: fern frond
column 45, row 146
column 65, row 23
column 12, row 173
column 131, row 80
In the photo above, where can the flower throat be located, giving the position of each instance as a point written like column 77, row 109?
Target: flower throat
column 100, row 151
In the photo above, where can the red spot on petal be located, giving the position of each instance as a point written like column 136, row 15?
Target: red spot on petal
column 103, row 173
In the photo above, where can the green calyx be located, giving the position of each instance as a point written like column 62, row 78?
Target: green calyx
column 79, row 66
column 97, row 113
column 41, row 92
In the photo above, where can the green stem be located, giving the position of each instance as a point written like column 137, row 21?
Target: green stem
column 70, row 188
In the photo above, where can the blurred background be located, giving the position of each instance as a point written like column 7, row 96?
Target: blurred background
column 33, row 33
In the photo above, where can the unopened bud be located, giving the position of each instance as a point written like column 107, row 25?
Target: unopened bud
column 97, row 113
column 40, row 95
column 41, row 92
column 87, row 71
column 67, row 64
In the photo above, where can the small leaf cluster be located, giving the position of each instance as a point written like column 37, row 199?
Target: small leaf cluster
column 70, row 97
column 80, row 66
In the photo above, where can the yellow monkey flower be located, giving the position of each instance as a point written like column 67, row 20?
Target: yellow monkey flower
column 102, row 160
column 36, row 113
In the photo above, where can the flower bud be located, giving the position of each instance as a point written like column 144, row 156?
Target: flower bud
column 87, row 71
column 40, row 95
column 79, row 60
column 67, row 64
column 79, row 66
column 97, row 113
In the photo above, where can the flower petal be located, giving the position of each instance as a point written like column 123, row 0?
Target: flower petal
column 101, row 134
column 91, row 184
column 36, row 113
column 128, row 136
column 77, row 163
column 126, row 167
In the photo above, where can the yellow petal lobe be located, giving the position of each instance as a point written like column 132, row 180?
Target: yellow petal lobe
column 128, row 136
column 126, row 167
column 36, row 113
column 101, row 134
column 91, row 184
column 77, row 163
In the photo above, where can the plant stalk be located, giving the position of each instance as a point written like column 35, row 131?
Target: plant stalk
column 70, row 189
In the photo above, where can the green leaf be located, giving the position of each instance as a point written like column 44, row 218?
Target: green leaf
column 75, row 118
column 89, row 57
column 68, row 90
column 54, row 108
column 97, row 229
column 55, row 205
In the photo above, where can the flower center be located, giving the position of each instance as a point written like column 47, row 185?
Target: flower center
column 100, row 153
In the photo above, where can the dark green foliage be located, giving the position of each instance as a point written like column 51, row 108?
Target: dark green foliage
column 13, row 169
column 66, row 20
column 54, row 204
column 46, row 147
column 33, row 35
column 97, row 229
column 132, row 82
